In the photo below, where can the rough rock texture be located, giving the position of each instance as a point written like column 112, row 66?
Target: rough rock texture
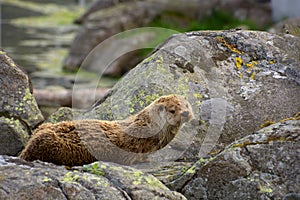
column 264, row 165
column 19, row 112
column 106, row 18
column 22, row 180
column 234, row 80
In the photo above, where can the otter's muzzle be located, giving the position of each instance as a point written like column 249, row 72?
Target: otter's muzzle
column 185, row 116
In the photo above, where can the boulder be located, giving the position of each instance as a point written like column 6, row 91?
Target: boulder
column 235, row 81
column 37, row 180
column 264, row 165
column 19, row 112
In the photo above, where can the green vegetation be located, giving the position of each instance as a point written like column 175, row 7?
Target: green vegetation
column 93, row 169
column 54, row 15
column 174, row 21
column 218, row 20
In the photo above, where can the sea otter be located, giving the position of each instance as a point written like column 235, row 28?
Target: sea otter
column 125, row 141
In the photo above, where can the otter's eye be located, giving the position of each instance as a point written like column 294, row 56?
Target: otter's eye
column 172, row 111
column 160, row 108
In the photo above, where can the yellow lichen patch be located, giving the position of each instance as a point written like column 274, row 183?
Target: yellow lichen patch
column 214, row 152
column 229, row 46
column 290, row 118
column 272, row 62
column 266, row 123
column 252, row 76
column 277, row 139
column 297, row 115
column 159, row 59
column 264, row 189
column 70, row 177
column 9, row 60
column 137, row 181
column 1, row 177
column 103, row 167
column 198, row 96
column 151, row 181
column 137, row 174
column 46, row 179
column 244, row 144
column 191, row 170
column 250, row 65
column 238, row 62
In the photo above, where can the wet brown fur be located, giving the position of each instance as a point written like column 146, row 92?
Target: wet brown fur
column 84, row 141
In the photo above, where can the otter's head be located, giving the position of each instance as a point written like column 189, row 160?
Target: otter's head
column 173, row 109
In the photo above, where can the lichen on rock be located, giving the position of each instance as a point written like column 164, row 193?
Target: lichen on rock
column 19, row 111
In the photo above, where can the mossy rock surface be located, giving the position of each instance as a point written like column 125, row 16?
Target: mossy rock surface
column 260, row 166
column 19, row 111
column 36, row 180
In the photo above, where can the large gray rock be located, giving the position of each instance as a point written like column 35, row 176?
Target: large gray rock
column 264, row 165
column 19, row 112
column 22, row 180
column 234, row 80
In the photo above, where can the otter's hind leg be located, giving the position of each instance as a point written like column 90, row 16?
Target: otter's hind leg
column 58, row 148
column 39, row 146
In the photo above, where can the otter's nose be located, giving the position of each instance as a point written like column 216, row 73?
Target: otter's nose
column 185, row 114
